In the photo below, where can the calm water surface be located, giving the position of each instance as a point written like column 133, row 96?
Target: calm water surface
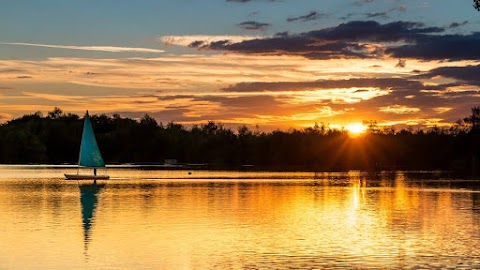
column 153, row 219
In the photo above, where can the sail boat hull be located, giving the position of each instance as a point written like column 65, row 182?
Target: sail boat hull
column 86, row 177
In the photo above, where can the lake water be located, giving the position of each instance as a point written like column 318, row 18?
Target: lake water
column 157, row 219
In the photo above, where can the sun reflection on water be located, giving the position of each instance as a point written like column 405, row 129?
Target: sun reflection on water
column 335, row 220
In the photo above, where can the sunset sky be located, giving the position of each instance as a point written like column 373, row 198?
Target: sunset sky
column 271, row 63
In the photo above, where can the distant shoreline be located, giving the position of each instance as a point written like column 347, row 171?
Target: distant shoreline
column 222, row 168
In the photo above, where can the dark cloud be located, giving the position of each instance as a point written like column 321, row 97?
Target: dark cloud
column 11, row 70
column 174, row 97
column 384, row 14
column 401, row 63
column 360, row 31
column 24, row 77
column 311, row 16
column 360, row 39
column 382, row 83
column 282, row 34
column 455, row 24
column 348, row 40
column 198, row 43
column 254, row 25
column 440, row 47
column 468, row 74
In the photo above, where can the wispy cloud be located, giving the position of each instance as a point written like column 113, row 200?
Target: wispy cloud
column 381, row 83
column 239, row 88
column 53, row 97
column 87, row 48
column 385, row 14
column 254, row 25
column 399, row 109
column 441, row 110
column 311, row 16
column 457, row 24
column 188, row 40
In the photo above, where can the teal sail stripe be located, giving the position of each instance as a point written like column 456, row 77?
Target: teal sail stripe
column 90, row 155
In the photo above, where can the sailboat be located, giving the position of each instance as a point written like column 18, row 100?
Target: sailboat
column 90, row 156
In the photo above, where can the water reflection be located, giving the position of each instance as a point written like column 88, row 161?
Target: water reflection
column 388, row 220
column 89, row 194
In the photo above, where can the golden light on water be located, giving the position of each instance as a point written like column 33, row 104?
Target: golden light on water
column 235, row 220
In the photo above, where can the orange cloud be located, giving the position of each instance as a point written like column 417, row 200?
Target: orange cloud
column 399, row 109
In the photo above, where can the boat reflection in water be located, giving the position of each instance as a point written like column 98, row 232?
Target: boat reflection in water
column 152, row 219
column 89, row 194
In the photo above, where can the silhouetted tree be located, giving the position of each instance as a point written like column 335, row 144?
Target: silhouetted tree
column 149, row 121
column 55, row 138
column 476, row 4
column 474, row 119
column 55, row 114
column 372, row 126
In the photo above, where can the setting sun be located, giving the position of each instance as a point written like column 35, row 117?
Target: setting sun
column 355, row 129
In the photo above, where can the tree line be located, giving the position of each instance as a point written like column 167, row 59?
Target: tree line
column 55, row 138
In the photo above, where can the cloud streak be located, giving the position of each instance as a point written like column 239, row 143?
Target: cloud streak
column 112, row 49
column 187, row 40
column 382, row 83
column 399, row 109
column 385, row 14
column 277, row 91
column 468, row 74
column 311, row 16
column 254, row 25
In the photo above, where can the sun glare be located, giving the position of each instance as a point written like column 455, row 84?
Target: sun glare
column 355, row 129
